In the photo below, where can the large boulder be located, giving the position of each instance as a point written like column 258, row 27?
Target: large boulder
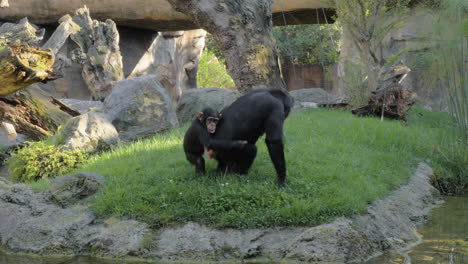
column 194, row 100
column 89, row 132
column 313, row 95
column 140, row 107
column 68, row 190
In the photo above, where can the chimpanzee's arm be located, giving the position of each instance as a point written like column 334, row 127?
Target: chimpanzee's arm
column 225, row 145
column 219, row 144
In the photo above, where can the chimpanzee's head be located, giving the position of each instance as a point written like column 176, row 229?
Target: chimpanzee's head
column 209, row 118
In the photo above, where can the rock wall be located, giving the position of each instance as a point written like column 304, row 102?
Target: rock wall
column 151, row 14
column 412, row 37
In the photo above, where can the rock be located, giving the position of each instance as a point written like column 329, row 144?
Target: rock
column 9, row 138
column 140, row 107
column 90, row 132
column 133, row 44
column 115, row 238
column 305, row 105
column 98, row 53
column 68, row 190
column 83, row 106
column 194, row 100
column 31, row 223
column 313, row 95
column 173, row 58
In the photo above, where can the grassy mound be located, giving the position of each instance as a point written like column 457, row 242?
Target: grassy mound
column 337, row 164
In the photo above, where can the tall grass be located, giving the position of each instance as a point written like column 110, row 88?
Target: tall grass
column 449, row 37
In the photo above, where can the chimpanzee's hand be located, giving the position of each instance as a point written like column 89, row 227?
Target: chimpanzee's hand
column 210, row 153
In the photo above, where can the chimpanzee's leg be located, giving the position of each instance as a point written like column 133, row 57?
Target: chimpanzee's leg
column 274, row 142
column 222, row 166
column 197, row 160
column 245, row 159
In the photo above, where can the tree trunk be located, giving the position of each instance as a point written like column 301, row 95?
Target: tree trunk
column 243, row 31
column 173, row 59
column 61, row 34
column 21, row 66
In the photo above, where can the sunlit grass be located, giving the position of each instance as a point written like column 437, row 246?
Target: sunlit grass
column 337, row 164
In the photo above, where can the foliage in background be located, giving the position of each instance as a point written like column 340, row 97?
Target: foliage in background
column 309, row 44
column 212, row 72
column 38, row 160
column 210, row 44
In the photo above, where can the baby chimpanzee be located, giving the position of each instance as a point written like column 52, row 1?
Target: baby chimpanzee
column 198, row 139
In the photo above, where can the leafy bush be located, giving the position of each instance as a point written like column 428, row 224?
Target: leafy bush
column 309, row 44
column 212, row 72
column 37, row 160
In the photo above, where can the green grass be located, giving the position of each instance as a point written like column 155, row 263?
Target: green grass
column 337, row 164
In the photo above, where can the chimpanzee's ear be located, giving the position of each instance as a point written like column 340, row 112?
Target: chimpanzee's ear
column 200, row 116
column 220, row 115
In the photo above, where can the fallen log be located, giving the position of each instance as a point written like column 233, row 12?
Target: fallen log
column 391, row 99
column 22, row 65
column 32, row 113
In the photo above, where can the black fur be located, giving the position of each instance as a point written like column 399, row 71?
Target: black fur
column 261, row 111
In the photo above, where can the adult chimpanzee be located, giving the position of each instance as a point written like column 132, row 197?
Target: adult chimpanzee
column 198, row 139
column 261, row 111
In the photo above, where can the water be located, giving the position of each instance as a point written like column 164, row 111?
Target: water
column 445, row 241
column 445, row 237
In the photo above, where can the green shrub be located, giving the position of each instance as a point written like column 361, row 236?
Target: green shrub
column 37, row 160
column 212, row 72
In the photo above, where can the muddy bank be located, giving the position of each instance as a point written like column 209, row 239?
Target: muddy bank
column 35, row 223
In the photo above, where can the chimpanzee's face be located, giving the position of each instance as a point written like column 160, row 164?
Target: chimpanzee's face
column 209, row 118
column 211, row 123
